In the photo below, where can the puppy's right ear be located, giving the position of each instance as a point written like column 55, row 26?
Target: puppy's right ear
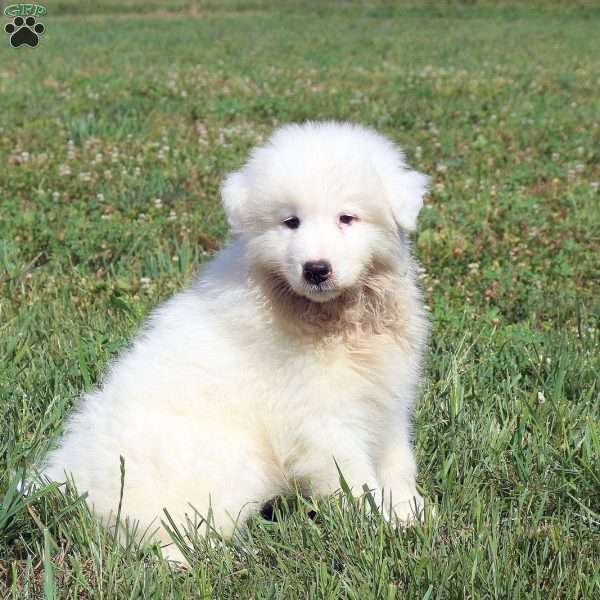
column 234, row 193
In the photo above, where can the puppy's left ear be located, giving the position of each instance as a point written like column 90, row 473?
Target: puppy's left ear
column 406, row 189
column 234, row 193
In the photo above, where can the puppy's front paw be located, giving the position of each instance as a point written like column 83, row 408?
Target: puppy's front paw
column 403, row 508
column 175, row 557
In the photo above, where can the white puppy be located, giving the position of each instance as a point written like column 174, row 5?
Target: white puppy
column 297, row 349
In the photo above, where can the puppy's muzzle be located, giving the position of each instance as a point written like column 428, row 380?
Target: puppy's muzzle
column 316, row 272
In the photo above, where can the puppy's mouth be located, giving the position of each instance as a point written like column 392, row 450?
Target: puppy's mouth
column 321, row 292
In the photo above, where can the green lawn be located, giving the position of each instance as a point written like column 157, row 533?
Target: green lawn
column 114, row 135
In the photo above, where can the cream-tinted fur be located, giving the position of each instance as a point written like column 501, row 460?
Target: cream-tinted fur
column 251, row 382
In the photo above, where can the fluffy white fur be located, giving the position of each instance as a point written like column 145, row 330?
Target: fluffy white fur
column 253, row 381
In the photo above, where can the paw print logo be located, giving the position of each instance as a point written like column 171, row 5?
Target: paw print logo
column 24, row 32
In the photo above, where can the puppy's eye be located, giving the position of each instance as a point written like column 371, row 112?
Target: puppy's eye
column 347, row 219
column 292, row 222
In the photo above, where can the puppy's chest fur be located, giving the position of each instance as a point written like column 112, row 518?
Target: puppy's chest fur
column 334, row 369
column 306, row 386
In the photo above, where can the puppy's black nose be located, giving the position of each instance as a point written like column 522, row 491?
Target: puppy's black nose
column 316, row 271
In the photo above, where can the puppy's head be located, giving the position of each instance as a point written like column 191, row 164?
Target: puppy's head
column 320, row 205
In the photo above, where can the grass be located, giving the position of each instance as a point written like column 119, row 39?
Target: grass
column 115, row 133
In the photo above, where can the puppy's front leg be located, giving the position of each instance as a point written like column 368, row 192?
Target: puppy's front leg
column 397, row 473
column 329, row 452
